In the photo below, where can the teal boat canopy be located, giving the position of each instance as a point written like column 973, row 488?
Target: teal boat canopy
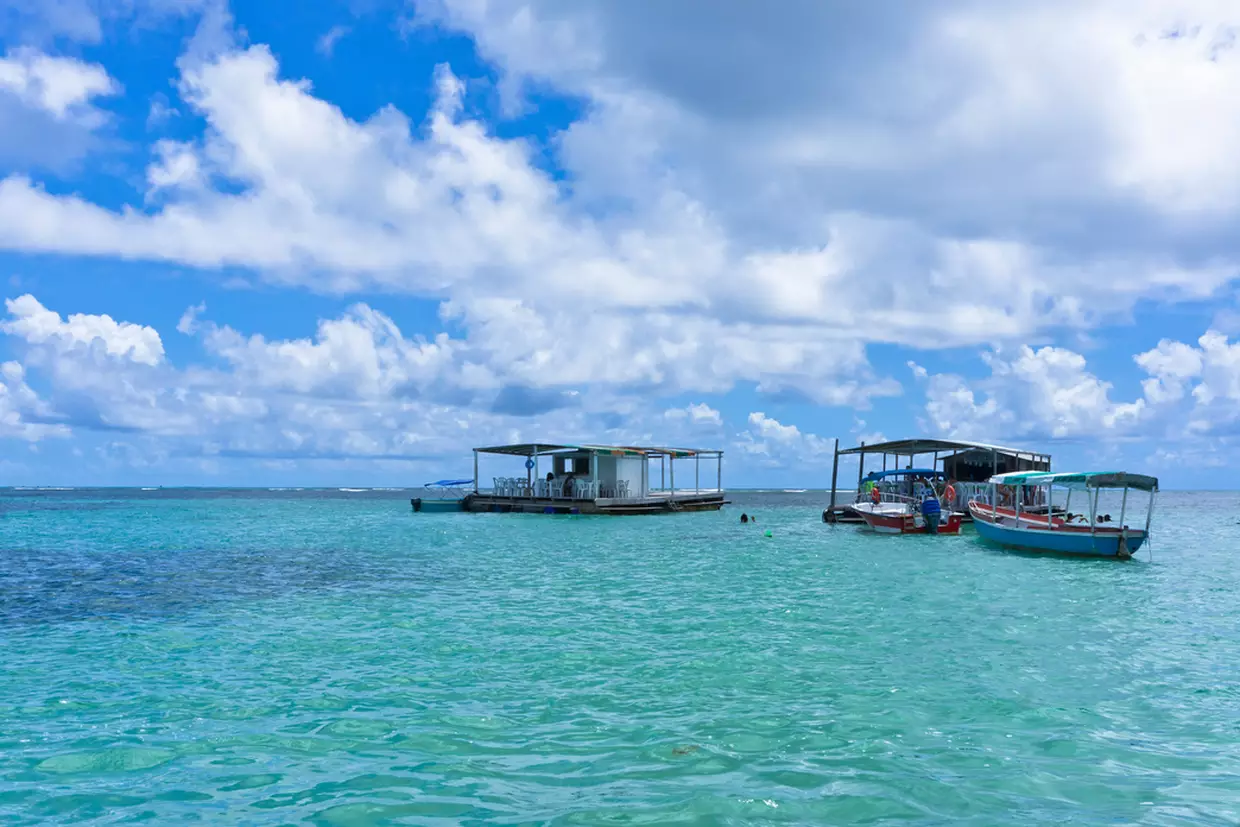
column 1080, row 481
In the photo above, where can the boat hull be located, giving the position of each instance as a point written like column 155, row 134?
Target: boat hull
column 436, row 506
column 905, row 523
column 1001, row 527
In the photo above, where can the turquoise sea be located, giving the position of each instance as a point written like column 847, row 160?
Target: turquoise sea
column 329, row 657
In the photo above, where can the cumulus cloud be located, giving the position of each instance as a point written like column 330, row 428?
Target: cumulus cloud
column 773, row 444
column 957, row 174
column 1043, row 393
column 23, row 415
column 63, row 87
column 284, row 183
column 1211, row 368
column 31, row 321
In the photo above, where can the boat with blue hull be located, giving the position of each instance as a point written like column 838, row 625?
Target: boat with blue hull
column 1021, row 512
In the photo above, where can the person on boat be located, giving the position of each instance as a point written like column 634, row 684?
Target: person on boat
column 931, row 511
column 949, row 493
column 876, row 496
column 567, row 490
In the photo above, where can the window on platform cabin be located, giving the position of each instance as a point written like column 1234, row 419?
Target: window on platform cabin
column 577, row 466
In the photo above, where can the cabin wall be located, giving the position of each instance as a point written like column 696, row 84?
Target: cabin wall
column 629, row 469
column 607, row 470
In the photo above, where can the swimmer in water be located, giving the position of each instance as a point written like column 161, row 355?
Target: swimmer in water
column 744, row 518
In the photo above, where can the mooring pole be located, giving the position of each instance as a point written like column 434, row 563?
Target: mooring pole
column 835, row 473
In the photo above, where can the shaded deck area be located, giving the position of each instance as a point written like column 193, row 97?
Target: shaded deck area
column 654, row 503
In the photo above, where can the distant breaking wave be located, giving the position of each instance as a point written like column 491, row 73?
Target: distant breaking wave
column 353, row 490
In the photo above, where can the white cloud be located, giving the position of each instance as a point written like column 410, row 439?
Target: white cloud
column 362, row 355
column 774, row 444
column 176, row 167
column 974, row 174
column 326, row 44
column 310, row 196
column 61, row 86
column 23, row 415
column 1211, row 368
column 33, row 322
column 1047, row 393
column 698, row 414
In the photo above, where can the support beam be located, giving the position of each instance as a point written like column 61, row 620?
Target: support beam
column 861, row 466
column 835, row 475
column 697, row 474
column 475, row 471
column 719, row 471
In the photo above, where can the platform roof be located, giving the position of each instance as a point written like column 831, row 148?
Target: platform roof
column 529, row 449
column 910, row 447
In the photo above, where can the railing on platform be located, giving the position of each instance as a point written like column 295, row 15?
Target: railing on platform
column 560, row 489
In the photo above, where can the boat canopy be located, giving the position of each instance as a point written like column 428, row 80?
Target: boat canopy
column 448, row 483
column 1080, row 481
column 875, row 476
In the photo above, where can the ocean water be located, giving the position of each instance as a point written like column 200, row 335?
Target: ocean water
column 310, row 657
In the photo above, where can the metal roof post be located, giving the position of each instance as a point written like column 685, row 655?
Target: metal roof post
column 861, row 467
column 835, row 473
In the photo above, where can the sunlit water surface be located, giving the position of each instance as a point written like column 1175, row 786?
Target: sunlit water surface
column 332, row 658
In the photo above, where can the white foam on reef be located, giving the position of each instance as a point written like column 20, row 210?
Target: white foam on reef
column 353, row 490
column 41, row 488
column 150, row 489
column 795, row 490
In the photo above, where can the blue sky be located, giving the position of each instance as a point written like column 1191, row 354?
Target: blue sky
column 340, row 244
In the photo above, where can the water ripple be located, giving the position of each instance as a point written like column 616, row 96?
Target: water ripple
column 338, row 660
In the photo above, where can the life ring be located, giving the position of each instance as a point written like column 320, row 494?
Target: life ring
column 949, row 494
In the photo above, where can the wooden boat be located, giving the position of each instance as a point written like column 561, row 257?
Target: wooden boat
column 1007, row 519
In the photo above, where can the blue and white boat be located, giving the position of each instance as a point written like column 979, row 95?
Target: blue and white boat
column 1023, row 512
column 443, row 496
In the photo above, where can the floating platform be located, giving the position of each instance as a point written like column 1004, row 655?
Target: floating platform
column 655, row 503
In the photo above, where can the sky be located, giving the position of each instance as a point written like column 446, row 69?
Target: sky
column 342, row 243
